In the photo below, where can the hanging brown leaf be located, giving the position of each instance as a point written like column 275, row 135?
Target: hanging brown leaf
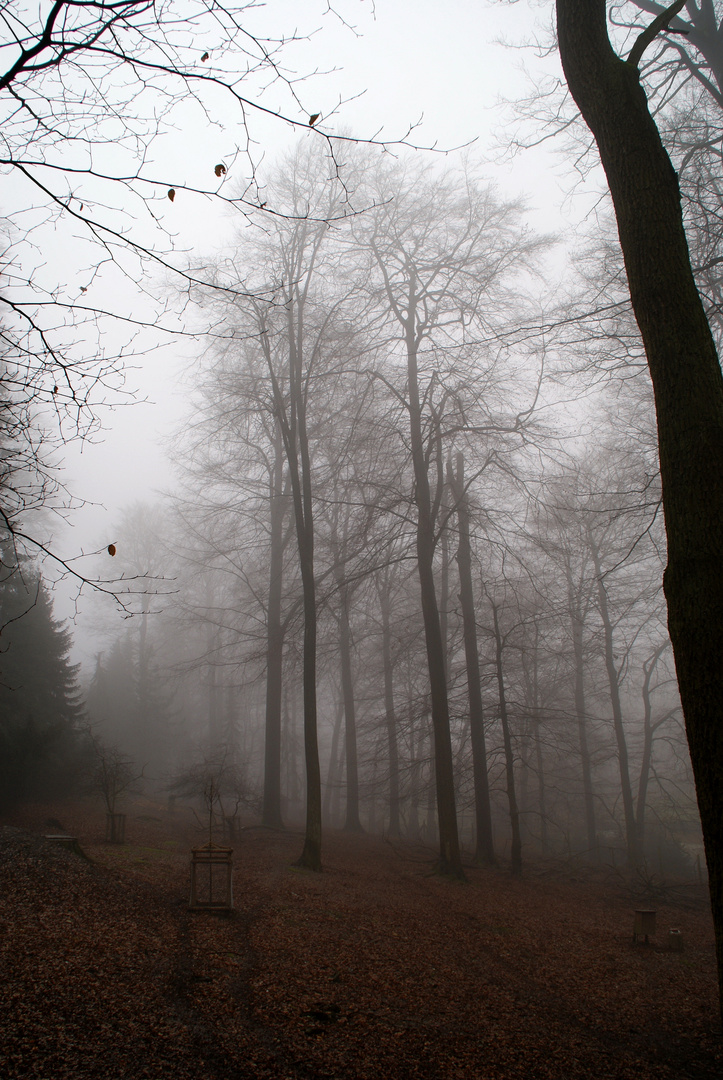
column 314, row 118
column 111, row 549
column 204, row 57
column 171, row 194
column 220, row 170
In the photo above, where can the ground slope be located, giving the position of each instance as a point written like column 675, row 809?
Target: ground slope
column 374, row 970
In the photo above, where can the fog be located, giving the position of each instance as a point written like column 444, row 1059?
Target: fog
column 412, row 410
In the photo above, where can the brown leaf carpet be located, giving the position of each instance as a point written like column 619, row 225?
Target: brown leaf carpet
column 375, row 969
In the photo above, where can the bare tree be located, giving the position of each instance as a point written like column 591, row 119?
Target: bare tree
column 687, row 382
column 114, row 775
column 88, row 89
column 443, row 252
column 483, row 817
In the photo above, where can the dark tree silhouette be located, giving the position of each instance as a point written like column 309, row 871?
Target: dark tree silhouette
column 687, row 383
column 40, row 706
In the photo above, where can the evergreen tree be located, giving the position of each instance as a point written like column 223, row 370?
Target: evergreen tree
column 40, row 706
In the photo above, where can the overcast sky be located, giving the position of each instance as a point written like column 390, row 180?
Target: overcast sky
column 397, row 63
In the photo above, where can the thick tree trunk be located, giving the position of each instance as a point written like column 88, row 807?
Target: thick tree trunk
column 484, row 850
column 688, row 389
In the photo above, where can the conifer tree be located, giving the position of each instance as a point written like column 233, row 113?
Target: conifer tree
column 40, row 707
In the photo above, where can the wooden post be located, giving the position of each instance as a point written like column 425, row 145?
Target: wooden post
column 211, row 878
column 644, row 925
column 115, row 828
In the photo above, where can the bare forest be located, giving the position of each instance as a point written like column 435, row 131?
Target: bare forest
column 426, row 628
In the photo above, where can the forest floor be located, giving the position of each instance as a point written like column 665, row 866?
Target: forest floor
column 375, row 969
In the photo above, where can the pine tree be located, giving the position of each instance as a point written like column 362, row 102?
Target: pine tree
column 40, row 707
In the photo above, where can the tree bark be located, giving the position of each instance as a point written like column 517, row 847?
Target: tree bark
column 301, row 486
column 648, row 736
column 271, row 811
column 484, row 849
column 688, row 389
column 531, row 667
column 351, row 822
column 390, row 715
column 631, row 834
column 291, row 416
column 450, row 861
column 577, row 621
column 333, row 773
column 516, row 847
column 339, row 547
column 541, row 790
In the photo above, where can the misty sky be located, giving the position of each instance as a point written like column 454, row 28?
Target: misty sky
column 396, row 64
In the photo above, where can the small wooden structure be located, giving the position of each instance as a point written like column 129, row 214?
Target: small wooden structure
column 211, row 878
column 644, row 926
column 68, row 842
column 63, row 840
column 115, row 828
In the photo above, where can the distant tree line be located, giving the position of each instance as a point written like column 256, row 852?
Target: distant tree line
column 41, row 709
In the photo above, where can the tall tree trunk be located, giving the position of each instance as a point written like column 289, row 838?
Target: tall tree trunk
column 631, row 836
column 541, row 792
column 688, row 388
column 332, row 773
column 430, row 816
column 577, row 625
column 516, row 847
column 532, row 678
column 311, row 853
column 389, row 713
column 484, row 850
column 335, row 809
column 415, row 770
column 352, row 822
column 339, row 548
column 291, row 416
column 144, row 717
column 291, row 748
column 271, row 811
column 444, row 594
column 647, row 755
column 450, row 861
column 214, row 711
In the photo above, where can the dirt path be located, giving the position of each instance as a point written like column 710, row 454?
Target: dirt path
column 373, row 969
